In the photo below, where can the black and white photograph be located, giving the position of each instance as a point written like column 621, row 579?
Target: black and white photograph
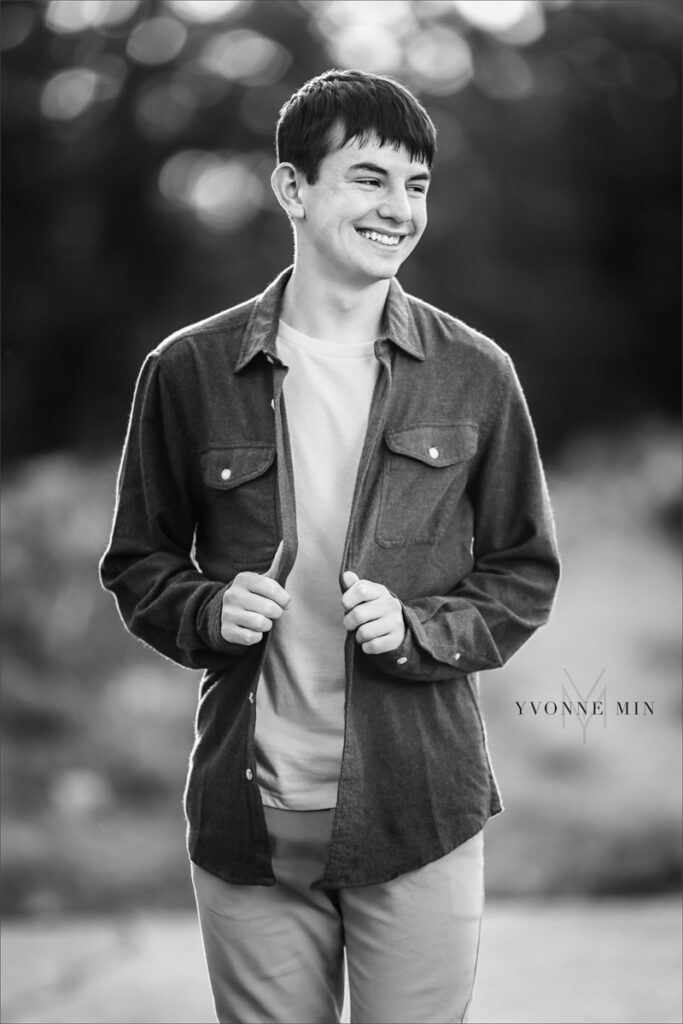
column 340, row 519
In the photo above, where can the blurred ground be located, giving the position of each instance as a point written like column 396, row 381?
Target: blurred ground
column 570, row 962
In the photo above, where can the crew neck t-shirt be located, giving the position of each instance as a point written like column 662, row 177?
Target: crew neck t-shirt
column 300, row 698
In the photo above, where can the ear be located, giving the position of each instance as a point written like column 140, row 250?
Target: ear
column 286, row 182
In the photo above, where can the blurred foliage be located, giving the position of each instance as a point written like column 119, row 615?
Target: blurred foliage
column 137, row 151
column 138, row 146
column 97, row 728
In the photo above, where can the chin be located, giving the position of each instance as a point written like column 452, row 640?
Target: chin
column 383, row 271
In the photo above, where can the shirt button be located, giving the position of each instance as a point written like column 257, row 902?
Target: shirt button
column 457, row 656
column 226, row 474
column 433, row 453
column 401, row 661
column 249, row 774
column 270, row 359
column 272, row 403
column 251, row 698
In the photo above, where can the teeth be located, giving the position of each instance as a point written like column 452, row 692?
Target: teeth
column 374, row 236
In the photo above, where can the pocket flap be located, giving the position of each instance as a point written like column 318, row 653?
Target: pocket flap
column 230, row 465
column 435, row 444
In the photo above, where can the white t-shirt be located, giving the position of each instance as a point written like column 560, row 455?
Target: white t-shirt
column 300, row 698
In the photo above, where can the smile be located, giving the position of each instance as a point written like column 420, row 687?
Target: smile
column 391, row 241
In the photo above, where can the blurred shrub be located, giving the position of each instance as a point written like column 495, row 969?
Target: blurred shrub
column 97, row 728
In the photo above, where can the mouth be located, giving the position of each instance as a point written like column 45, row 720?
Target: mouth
column 386, row 239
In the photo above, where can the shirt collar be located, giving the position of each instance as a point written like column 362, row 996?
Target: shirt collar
column 398, row 325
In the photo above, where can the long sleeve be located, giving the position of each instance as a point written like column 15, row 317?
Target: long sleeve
column 510, row 589
column 161, row 595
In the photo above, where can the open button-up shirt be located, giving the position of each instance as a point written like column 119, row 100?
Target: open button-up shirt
column 450, row 512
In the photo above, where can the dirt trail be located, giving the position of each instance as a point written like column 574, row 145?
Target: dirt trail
column 568, row 963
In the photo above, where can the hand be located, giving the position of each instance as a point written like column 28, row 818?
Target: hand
column 374, row 613
column 251, row 604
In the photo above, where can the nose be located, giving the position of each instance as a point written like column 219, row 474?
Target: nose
column 395, row 205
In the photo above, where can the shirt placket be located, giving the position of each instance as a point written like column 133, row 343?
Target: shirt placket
column 351, row 552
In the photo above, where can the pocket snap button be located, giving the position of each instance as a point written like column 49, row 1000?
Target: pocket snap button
column 226, row 474
column 433, row 453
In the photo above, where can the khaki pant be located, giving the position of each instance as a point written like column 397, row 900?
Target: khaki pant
column 276, row 953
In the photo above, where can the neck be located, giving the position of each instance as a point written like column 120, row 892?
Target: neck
column 331, row 310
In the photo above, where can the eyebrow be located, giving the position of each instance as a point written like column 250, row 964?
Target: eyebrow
column 376, row 169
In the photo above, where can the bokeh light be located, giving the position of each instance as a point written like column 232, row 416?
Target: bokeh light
column 220, row 189
column 440, row 60
column 66, row 17
column 206, row 11
column 244, row 56
column 69, row 93
column 365, row 34
column 157, row 40
column 495, row 15
column 379, row 51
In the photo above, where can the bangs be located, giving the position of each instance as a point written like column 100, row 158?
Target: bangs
column 338, row 106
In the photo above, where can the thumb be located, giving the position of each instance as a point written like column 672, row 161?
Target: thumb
column 271, row 572
column 350, row 578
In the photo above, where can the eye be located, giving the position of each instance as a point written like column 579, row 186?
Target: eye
column 368, row 181
column 421, row 190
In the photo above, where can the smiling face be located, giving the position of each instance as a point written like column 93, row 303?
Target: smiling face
column 364, row 214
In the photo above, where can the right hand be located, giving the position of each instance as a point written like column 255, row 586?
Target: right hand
column 251, row 604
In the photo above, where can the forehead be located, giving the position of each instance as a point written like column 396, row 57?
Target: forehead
column 370, row 149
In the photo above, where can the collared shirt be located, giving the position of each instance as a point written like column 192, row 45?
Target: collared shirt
column 450, row 512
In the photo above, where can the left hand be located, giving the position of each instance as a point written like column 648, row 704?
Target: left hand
column 374, row 613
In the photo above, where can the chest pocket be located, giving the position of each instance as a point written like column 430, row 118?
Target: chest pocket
column 425, row 471
column 239, row 502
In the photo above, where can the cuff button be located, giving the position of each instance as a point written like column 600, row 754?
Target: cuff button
column 401, row 661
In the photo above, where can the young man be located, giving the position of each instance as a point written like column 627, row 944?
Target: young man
column 331, row 501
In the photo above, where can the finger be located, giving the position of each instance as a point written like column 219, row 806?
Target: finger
column 239, row 635
column 275, row 564
column 244, row 619
column 373, row 630
column 350, row 578
column 264, row 586
column 381, row 644
column 361, row 592
column 364, row 612
column 261, row 605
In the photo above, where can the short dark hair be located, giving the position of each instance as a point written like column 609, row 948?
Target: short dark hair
column 363, row 104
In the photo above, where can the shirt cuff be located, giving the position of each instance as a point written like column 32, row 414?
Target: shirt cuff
column 412, row 659
column 404, row 659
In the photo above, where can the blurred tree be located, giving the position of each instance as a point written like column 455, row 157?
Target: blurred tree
column 138, row 146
